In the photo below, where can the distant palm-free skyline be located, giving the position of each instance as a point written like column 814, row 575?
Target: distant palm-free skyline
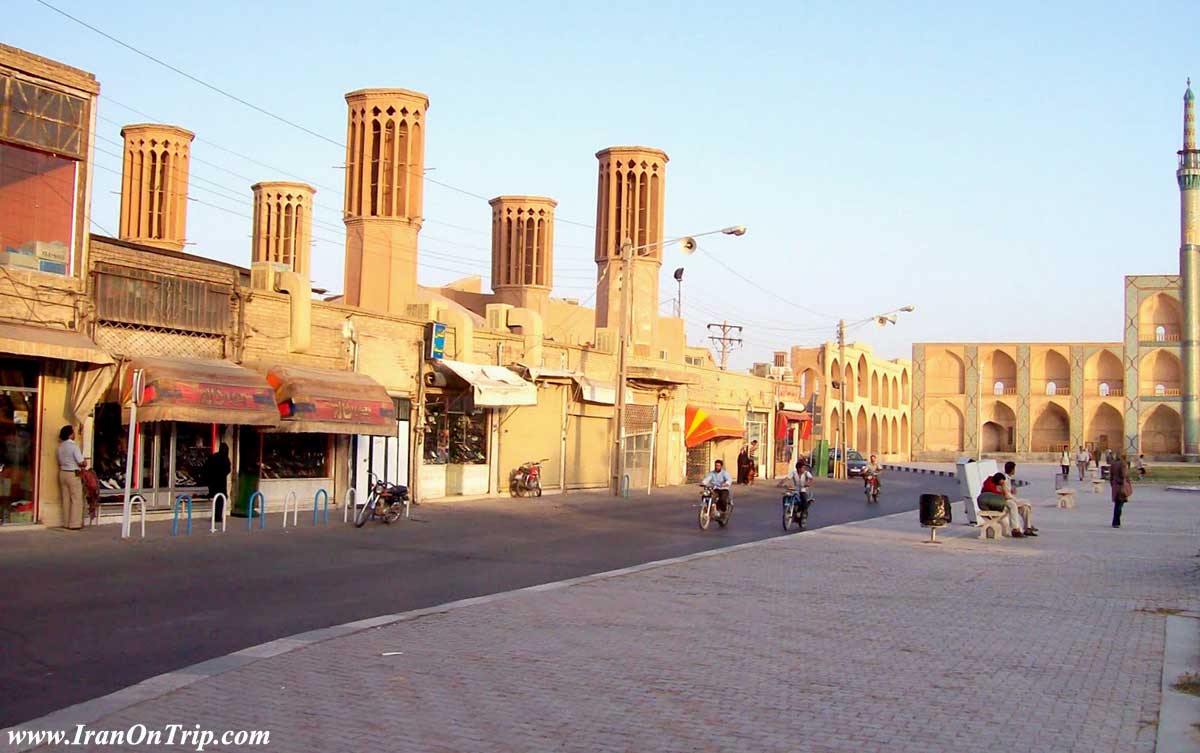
column 1001, row 168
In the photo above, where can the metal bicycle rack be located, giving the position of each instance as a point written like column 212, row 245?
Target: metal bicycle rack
column 325, row 514
column 175, row 521
column 262, row 517
column 350, row 504
column 290, row 501
column 140, row 502
column 212, row 525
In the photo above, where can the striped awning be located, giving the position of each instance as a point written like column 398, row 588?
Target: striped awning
column 704, row 424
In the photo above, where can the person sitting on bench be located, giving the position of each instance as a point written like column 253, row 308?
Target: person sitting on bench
column 1023, row 505
column 992, row 498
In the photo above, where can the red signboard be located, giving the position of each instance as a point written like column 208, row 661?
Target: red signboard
column 341, row 410
column 223, row 396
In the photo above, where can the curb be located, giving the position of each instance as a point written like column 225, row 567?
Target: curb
column 943, row 474
column 91, row 711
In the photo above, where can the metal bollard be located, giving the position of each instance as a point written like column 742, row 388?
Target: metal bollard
column 317, row 496
column 295, row 505
column 262, row 511
column 212, row 518
column 140, row 501
column 175, row 522
column 350, row 504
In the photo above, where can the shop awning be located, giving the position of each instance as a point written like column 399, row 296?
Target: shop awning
column 704, row 424
column 200, row 391
column 323, row 401
column 784, row 417
column 492, row 386
column 600, row 393
column 535, row 373
column 44, row 342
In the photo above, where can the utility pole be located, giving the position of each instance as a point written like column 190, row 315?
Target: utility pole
column 626, row 324
column 839, row 467
column 725, row 341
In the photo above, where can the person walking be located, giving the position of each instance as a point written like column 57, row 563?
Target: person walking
column 1065, row 461
column 216, row 477
column 70, row 462
column 1122, row 487
column 1083, row 458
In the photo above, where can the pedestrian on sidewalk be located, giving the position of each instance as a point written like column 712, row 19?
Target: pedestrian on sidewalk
column 70, row 462
column 1083, row 459
column 1122, row 487
column 216, row 478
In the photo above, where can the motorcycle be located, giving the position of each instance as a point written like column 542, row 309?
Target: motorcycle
column 527, row 479
column 795, row 509
column 710, row 510
column 871, row 487
column 386, row 501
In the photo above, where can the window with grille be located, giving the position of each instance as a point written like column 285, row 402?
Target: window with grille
column 42, row 117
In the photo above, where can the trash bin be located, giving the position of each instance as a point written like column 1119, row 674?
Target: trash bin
column 935, row 510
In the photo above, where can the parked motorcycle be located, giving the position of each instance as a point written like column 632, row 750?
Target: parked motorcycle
column 386, row 501
column 871, row 487
column 710, row 510
column 527, row 479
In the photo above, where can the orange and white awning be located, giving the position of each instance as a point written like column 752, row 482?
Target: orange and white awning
column 704, row 424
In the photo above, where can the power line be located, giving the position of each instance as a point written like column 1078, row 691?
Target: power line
column 190, row 77
column 726, row 341
column 769, row 292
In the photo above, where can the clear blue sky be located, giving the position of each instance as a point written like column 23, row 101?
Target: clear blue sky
column 1016, row 154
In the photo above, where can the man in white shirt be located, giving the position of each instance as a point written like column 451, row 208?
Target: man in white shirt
column 70, row 462
column 1082, row 458
column 720, row 480
column 1023, row 505
column 799, row 480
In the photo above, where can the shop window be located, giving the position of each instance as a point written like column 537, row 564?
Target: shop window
column 18, row 440
column 37, row 210
column 295, row 456
column 455, row 431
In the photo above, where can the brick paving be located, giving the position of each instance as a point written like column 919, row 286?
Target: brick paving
column 852, row 638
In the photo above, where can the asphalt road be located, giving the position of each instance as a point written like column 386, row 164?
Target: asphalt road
column 86, row 614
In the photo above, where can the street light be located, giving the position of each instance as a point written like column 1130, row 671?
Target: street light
column 884, row 319
column 628, row 250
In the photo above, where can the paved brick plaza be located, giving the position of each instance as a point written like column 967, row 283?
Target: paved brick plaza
column 853, row 638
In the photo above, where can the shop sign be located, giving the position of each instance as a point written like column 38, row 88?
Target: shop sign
column 339, row 410
column 435, row 341
column 785, row 391
column 229, row 397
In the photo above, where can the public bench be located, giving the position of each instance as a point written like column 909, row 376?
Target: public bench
column 991, row 524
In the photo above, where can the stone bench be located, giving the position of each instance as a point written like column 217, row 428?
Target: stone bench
column 992, row 524
column 1066, row 499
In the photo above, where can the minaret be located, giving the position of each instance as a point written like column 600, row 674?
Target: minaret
column 385, row 165
column 1189, row 275
column 629, row 208
column 523, row 250
column 154, row 185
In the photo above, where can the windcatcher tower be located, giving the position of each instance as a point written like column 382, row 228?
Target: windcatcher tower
column 1188, row 175
column 154, row 184
column 629, row 208
column 283, row 226
column 523, row 250
column 385, row 165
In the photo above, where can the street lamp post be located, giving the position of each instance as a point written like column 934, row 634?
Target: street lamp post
column 884, row 319
column 628, row 253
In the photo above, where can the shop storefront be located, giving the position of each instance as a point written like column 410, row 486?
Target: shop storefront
column 188, row 408
column 461, row 416
column 320, row 412
column 48, row 378
column 711, row 435
column 793, row 433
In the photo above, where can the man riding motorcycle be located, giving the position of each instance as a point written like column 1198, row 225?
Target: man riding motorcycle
column 873, row 471
column 720, row 480
column 799, row 482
